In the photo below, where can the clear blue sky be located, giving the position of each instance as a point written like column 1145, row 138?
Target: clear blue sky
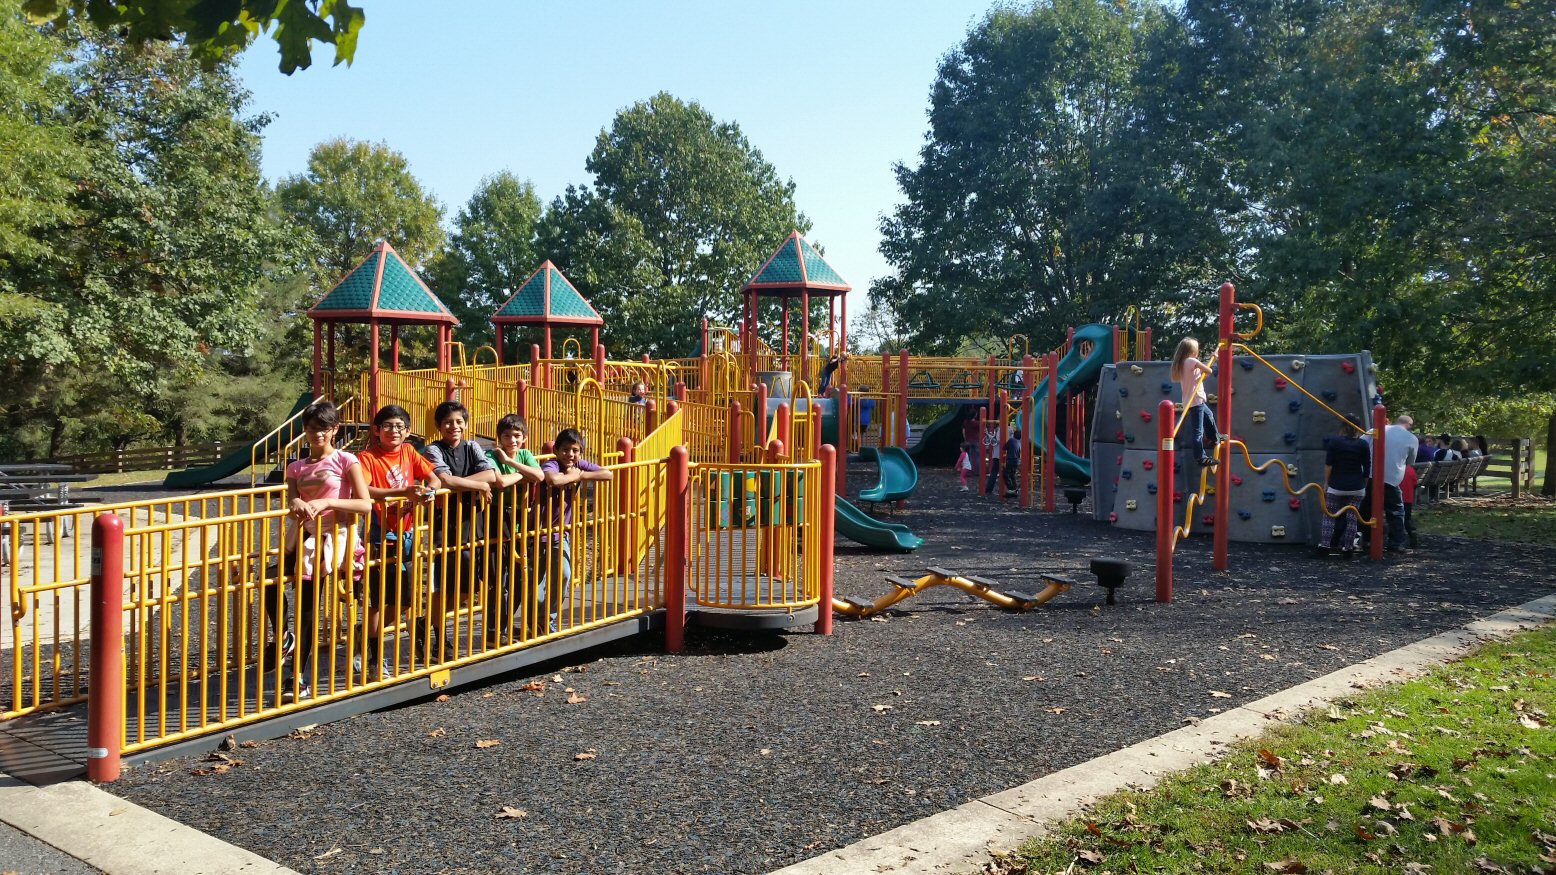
column 831, row 93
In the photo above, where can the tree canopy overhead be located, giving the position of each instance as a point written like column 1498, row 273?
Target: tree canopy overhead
column 682, row 212
column 216, row 30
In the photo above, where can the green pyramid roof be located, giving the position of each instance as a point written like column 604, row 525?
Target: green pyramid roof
column 794, row 268
column 382, row 288
column 546, row 298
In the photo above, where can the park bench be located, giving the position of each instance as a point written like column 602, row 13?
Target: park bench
column 29, row 487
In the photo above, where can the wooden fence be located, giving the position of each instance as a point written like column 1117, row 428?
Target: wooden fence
column 149, row 458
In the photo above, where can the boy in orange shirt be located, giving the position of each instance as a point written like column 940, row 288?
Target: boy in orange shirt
column 396, row 476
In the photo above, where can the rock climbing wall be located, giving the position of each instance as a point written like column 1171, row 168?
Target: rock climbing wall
column 1283, row 428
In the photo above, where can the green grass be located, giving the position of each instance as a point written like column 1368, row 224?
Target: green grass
column 1528, row 521
column 1453, row 772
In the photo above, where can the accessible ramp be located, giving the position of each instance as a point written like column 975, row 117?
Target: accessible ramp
column 238, row 460
column 858, row 526
column 899, row 476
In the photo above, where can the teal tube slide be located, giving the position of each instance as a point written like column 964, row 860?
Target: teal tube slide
column 899, row 476
column 1076, row 373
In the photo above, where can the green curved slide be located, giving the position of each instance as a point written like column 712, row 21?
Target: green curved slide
column 856, row 525
column 235, row 461
column 1076, row 373
column 899, row 476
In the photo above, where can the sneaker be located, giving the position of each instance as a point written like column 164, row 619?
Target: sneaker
column 1207, row 461
column 303, row 692
column 964, row 489
column 288, row 644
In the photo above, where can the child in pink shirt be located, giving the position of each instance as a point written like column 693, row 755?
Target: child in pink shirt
column 1188, row 370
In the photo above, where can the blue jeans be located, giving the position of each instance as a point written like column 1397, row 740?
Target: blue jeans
column 1201, row 422
column 1394, row 517
column 553, row 573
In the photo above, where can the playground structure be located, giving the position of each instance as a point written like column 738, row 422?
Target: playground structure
column 1293, row 403
column 722, row 510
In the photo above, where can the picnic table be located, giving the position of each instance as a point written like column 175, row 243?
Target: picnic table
column 33, row 486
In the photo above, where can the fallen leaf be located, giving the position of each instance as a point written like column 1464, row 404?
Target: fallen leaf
column 926, row 722
column 486, row 743
column 118, row 811
column 1270, row 759
column 1217, row 694
column 329, row 853
column 767, row 751
column 577, row 699
column 880, row 709
column 1287, row 866
column 1033, row 677
column 534, row 687
column 437, row 733
column 1264, row 824
column 442, row 698
column 586, row 755
column 1380, row 803
column 508, row 812
column 1338, row 780
column 1056, row 710
column 1528, row 722
column 1089, row 857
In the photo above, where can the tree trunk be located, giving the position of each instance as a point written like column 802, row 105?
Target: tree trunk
column 56, row 437
column 1548, row 485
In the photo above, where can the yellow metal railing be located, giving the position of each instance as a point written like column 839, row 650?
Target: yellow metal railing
column 756, row 530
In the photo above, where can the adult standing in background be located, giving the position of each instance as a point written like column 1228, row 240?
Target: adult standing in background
column 1399, row 451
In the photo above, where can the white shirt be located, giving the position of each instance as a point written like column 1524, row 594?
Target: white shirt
column 1399, row 450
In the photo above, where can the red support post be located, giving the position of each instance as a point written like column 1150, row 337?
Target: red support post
column 523, row 399
column 548, row 341
column 500, row 332
column 1119, row 343
column 1050, row 417
column 983, row 450
column 784, row 422
column 678, row 479
column 991, row 377
column 828, row 522
column 1144, row 342
column 1223, row 451
column 902, row 405
column 318, row 359
column 1027, row 445
column 845, row 429
column 650, row 416
column 105, row 706
column 394, row 347
column 804, row 335
column 599, row 363
column 1165, row 522
column 626, row 549
column 537, row 371
column 450, row 391
column 1380, row 425
column 373, row 392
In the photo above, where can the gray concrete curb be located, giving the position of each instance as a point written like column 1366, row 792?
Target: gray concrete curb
column 962, row 839
column 120, row 837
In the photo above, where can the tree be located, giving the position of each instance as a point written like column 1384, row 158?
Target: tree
column 216, row 31
column 708, row 204
column 605, row 253
column 156, row 264
column 491, row 251
column 41, row 154
column 1051, row 191
column 355, row 194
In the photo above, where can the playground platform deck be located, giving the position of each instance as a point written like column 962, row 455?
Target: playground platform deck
column 745, row 754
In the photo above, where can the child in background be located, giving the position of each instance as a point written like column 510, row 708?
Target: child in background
column 461, row 466
column 321, row 488
column 991, row 451
column 515, row 464
column 1347, row 462
column 553, row 560
column 397, row 476
column 964, row 463
column 637, row 393
column 1187, row 369
column 1012, row 464
column 1407, row 493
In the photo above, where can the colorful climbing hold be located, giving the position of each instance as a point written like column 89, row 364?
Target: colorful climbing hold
column 1131, row 504
column 1148, row 464
column 1348, row 367
column 1126, row 474
column 1151, row 488
column 1289, row 437
column 1296, row 503
column 1237, row 480
column 1268, row 495
column 1123, row 391
column 1295, row 405
column 1244, row 514
column 1247, row 363
column 1177, row 498
column 1145, row 415
column 1167, row 388
column 1280, row 383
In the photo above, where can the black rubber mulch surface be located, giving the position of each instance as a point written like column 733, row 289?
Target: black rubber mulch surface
column 747, row 754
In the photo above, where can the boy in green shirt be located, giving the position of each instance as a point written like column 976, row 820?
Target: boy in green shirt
column 515, row 465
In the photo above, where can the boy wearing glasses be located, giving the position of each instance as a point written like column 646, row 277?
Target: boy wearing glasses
column 394, row 471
